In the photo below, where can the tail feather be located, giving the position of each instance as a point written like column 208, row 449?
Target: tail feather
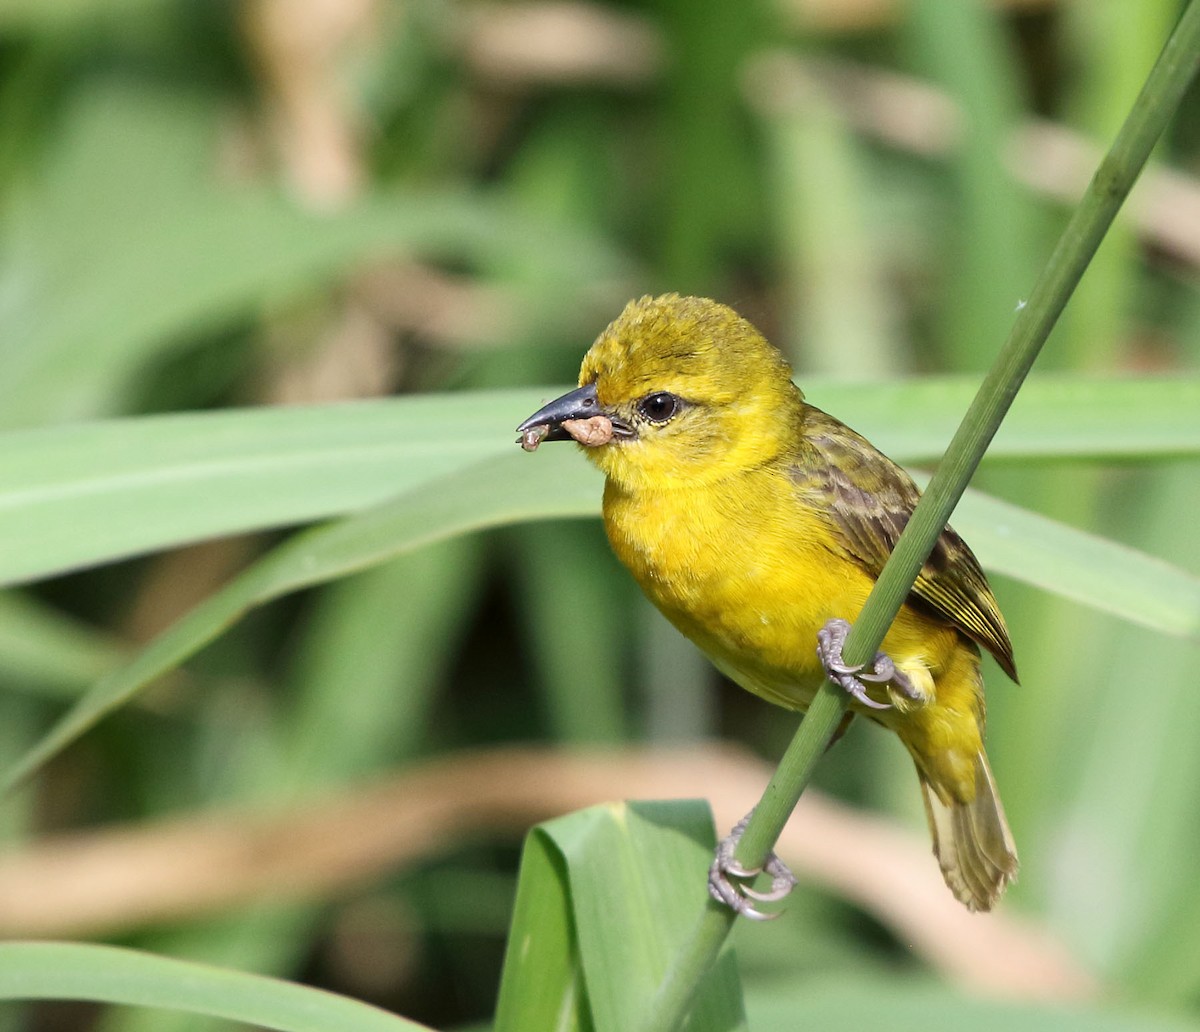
column 972, row 841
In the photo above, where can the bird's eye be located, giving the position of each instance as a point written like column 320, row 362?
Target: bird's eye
column 660, row 407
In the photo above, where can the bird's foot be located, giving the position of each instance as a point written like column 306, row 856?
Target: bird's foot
column 739, row 897
column 850, row 677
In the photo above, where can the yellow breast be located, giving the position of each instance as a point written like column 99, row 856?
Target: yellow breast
column 743, row 571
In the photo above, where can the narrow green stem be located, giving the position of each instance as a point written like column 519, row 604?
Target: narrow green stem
column 1159, row 98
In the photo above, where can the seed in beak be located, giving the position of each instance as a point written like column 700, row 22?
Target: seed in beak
column 534, row 436
column 592, row 432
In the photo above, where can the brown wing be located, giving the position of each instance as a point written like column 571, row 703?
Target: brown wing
column 869, row 500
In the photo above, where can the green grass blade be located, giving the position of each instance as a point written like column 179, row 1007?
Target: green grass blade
column 1055, row 416
column 1093, row 571
column 43, row 650
column 842, row 1004
column 633, row 904
column 518, row 487
column 471, row 499
column 542, row 984
column 150, row 483
column 154, row 482
column 75, row 971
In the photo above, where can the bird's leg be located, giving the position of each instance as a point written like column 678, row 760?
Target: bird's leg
column 830, row 641
column 724, row 867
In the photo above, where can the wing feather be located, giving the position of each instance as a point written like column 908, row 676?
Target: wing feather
column 868, row 500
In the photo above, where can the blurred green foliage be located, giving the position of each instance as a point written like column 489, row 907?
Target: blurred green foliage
column 213, row 206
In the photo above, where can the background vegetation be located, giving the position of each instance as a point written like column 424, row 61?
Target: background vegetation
column 227, row 209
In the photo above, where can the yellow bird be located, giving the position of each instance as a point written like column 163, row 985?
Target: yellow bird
column 758, row 524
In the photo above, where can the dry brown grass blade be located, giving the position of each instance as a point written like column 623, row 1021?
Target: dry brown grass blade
column 531, row 44
column 557, row 42
column 858, row 15
column 519, row 45
column 912, row 115
column 298, row 48
column 111, row 880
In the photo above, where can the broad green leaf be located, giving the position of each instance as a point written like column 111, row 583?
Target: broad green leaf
column 556, row 483
column 154, row 482
column 542, row 983
column 471, row 499
column 839, row 1004
column 76, row 971
column 636, row 904
column 613, row 879
column 149, row 483
column 1093, row 571
column 1054, row 417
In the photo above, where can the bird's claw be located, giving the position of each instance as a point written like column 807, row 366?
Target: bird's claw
column 737, row 897
column 850, row 677
column 885, row 670
column 830, row 641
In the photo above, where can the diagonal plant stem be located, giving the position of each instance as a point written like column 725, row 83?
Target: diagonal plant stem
column 1160, row 96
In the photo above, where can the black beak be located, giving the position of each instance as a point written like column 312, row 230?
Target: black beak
column 578, row 404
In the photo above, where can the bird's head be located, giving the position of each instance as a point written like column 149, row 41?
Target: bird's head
column 677, row 390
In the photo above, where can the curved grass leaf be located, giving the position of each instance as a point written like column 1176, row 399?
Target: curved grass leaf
column 555, row 484
column 542, row 984
column 1094, row 571
column 77, row 971
column 604, row 886
column 43, row 650
column 146, row 484
column 634, row 910
column 841, row 1004
column 1055, row 416
column 75, row 496
column 487, row 494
